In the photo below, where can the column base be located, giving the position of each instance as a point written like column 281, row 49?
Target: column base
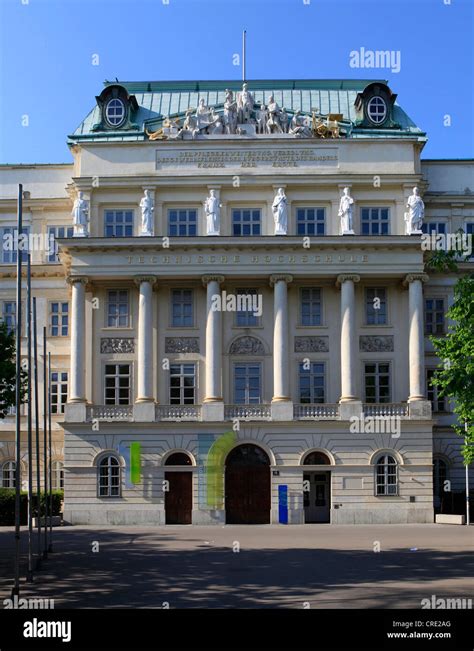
column 213, row 411
column 144, row 411
column 419, row 408
column 349, row 409
column 76, row 411
column 282, row 409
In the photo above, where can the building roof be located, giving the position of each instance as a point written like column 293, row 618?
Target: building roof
column 159, row 99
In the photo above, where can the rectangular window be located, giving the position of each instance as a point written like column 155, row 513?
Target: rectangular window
column 117, row 384
column 438, row 403
column 9, row 314
column 182, row 308
column 310, row 306
column 10, row 244
column 375, row 306
column 58, row 319
column 118, row 223
column 57, row 232
column 118, row 310
column 375, row 221
column 245, row 222
column 58, row 391
column 469, row 230
column 182, row 384
column 311, row 382
column 310, row 221
column 434, row 316
column 182, row 223
column 247, row 384
column 246, row 318
column 377, row 382
column 439, row 228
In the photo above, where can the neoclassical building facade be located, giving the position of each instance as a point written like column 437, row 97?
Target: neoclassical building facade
column 237, row 306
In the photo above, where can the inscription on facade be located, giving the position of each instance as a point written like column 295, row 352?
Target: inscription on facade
column 285, row 259
column 222, row 158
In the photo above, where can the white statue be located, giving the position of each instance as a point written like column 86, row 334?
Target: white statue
column 230, row 112
column 244, row 104
column 414, row 218
column 80, row 214
column 262, row 116
column 346, row 207
column 146, row 204
column 299, row 126
column 280, row 212
column 273, row 121
column 212, row 211
column 284, row 120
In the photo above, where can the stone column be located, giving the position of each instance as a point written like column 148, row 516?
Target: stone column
column 348, row 340
column 144, row 408
column 76, row 410
column 416, row 339
column 282, row 406
column 213, row 407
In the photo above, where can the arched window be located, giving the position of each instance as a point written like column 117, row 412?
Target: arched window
column 387, row 476
column 178, row 459
column 109, row 477
column 57, row 473
column 316, row 459
column 8, row 474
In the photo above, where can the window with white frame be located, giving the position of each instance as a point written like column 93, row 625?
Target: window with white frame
column 310, row 221
column 246, row 221
column 438, row 228
column 58, row 391
column 310, row 306
column 56, row 232
column 182, row 222
column 469, row 230
column 386, row 475
column 311, row 382
column 11, row 243
column 9, row 315
column 118, row 223
column 117, row 384
column 182, row 384
column 109, row 477
column 376, row 109
column 59, row 319
column 377, row 382
column 118, row 308
column 182, row 308
column 57, row 475
column 434, row 316
column 376, row 306
column 8, row 474
column 438, row 402
column 247, row 383
column 246, row 318
column 115, row 112
column 375, row 221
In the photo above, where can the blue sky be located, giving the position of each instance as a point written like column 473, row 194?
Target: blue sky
column 47, row 49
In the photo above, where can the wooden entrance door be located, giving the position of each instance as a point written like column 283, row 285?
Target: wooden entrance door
column 317, row 501
column 179, row 497
column 247, row 486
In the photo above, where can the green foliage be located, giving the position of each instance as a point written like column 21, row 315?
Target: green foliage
column 7, row 505
column 455, row 374
column 8, row 371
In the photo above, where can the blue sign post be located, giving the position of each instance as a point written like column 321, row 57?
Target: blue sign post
column 283, row 504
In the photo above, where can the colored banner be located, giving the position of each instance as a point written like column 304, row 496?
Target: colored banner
column 212, row 454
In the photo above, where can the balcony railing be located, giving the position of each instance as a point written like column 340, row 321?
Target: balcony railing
column 247, row 412
column 178, row 412
column 315, row 412
column 110, row 412
column 386, row 409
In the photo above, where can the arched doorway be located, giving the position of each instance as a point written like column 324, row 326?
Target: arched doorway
column 247, row 486
column 179, row 493
column 316, row 488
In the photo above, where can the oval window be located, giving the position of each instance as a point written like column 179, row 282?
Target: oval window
column 377, row 110
column 115, row 112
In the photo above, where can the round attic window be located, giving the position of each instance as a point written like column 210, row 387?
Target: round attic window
column 115, row 112
column 376, row 110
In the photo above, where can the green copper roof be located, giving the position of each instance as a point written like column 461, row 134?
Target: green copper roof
column 158, row 99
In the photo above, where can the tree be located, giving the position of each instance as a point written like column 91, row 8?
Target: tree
column 8, row 370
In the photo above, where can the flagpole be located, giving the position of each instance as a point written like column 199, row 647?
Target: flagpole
column 244, row 38
column 29, row 575
column 45, row 438
column 50, row 547
column 38, row 472
column 16, row 586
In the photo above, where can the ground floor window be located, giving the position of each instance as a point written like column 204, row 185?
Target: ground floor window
column 387, row 476
column 109, row 477
column 57, row 475
column 8, row 474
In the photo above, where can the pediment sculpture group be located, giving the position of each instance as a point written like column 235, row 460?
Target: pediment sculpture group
column 413, row 218
column 241, row 115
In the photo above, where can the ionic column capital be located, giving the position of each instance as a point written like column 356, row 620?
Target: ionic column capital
column 409, row 278
column 138, row 280
column 212, row 278
column 343, row 277
column 72, row 280
column 275, row 278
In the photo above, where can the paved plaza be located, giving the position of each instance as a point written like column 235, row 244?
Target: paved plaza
column 327, row 566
